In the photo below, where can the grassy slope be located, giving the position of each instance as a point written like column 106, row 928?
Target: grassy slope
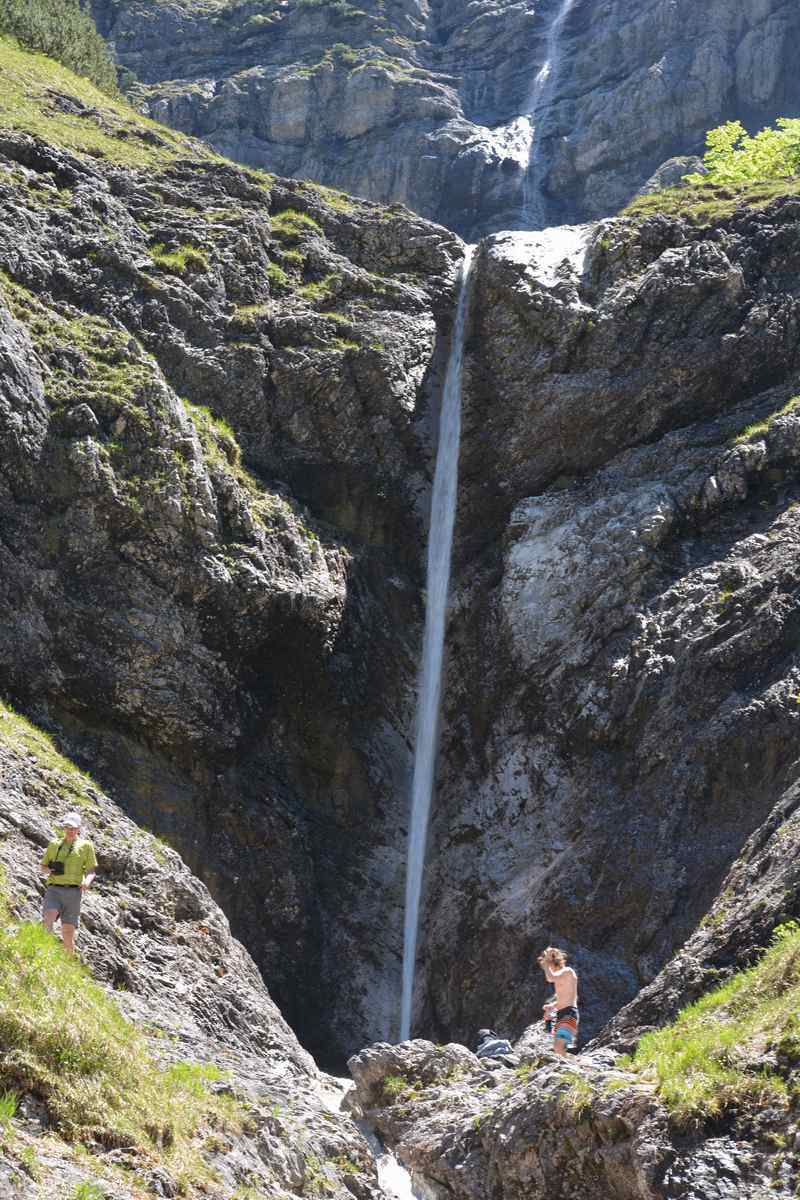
column 701, row 204
column 66, row 1042
column 110, row 129
column 736, row 1047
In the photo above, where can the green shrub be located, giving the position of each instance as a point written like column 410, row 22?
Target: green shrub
column 63, row 30
column 732, row 156
column 711, row 1058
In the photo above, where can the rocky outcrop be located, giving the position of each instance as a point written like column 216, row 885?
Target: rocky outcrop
column 620, row 705
column 232, row 649
column 428, row 103
column 154, row 937
column 409, row 102
column 761, row 892
column 473, row 1130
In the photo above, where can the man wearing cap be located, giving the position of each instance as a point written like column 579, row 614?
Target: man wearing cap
column 70, row 866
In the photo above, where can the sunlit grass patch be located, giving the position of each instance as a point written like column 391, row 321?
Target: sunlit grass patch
column 222, row 452
column 66, row 1042
column 760, row 427
column 183, row 260
column 711, row 1058
column 18, row 733
column 704, row 203
column 100, row 126
column 320, row 289
column 290, row 224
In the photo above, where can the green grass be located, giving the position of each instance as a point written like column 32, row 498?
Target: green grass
column 702, row 204
column 112, row 374
column 577, row 1099
column 20, row 735
column 290, row 225
column 711, row 1059
column 278, row 278
column 111, row 129
column 63, row 30
column 760, row 427
column 394, row 1086
column 66, row 1043
column 90, row 361
column 30, row 1163
column 87, row 1191
column 183, row 260
column 8, row 1106
column 338, row 201
column 218, row 439
column 223, row 453
column 193, row 1077
column 320, row 289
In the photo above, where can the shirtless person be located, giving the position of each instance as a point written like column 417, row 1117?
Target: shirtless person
column 561, row 1010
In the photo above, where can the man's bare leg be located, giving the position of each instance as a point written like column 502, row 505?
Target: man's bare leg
column 49, row 919
column 68, row 937
column 560, row 1047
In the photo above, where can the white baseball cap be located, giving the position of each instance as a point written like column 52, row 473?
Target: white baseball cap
column 71, row 820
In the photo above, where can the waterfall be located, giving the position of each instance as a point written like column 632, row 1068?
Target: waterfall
column 540, row 90
column 440, row 540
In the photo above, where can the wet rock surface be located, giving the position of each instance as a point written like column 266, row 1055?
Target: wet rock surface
column 427, row 103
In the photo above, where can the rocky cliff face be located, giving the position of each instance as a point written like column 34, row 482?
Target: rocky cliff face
column 217, row 407
column 164, row 951
column 621, row 702
column 427, row 102
column 232, row 650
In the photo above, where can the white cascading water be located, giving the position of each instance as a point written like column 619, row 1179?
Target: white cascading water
column 440, row 541
column 531, row 197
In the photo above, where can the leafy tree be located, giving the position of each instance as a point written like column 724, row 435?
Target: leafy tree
column 63, row 30
column 733, row 156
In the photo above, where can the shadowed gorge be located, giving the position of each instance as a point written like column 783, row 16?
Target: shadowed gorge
column 224, row 392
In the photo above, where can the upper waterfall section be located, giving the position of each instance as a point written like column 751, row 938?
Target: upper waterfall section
column 427, row 102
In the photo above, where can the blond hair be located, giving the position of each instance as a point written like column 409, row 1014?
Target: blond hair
column 552, row 954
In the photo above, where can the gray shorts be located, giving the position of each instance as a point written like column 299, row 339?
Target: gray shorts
column 66, row 901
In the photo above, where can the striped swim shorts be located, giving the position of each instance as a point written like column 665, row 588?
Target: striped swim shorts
column 565, row 1026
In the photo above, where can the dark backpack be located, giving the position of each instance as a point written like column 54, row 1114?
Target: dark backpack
column 493, row 1047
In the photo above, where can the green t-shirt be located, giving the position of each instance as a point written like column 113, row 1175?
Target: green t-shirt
column 78, row 858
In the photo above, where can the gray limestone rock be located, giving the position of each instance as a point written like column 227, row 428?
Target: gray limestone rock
column 619, row 712
column 437, row 104
column 561, row 1128
column 216, row 638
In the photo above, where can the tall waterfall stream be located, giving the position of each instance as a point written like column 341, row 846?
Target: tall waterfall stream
column 532, row 214
column 440, row 540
